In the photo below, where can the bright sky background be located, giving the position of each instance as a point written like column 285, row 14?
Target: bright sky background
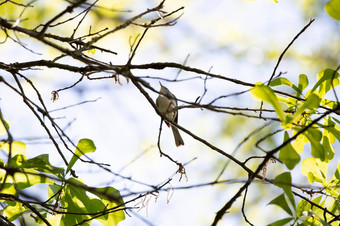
column 230, row 37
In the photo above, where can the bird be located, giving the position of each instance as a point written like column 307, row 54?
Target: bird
column 167, row 105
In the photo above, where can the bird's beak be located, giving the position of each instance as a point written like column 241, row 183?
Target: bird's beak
column 160, row 84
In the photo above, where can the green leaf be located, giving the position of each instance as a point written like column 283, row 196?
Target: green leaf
column 265, row 93
column 299, row 143
column 331, row 127
column 284, row 181
column 42, row 164
column 28, row 176
column 84, row 146
column 324, row 82
column 112, row 199
column 288, row 155
column 302, row 206
column 327, row 147
column 13, row 212
column 337, row 171
column 17, row 147
column 314, row 170
column 284, row 81
column 53, row 189
column 281, row 202
column 333, row 9
column 312, row 102
column 314, row 136
column 303, row 83
column 281, row 222
column 75, row 200
column 3, row 130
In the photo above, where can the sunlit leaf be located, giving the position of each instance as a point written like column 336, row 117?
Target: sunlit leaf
column 2, row 127
column 327, row 147
column 288, row 155
column 314, row 136
column 314, row 170
column 281, row 222
column 303, row 83
column 13, row 212
column 8, row 188
column 42, row 164
column 333, row 9
column 265, row 93
column 17, row 147
column 299, row 143
column 53, row 189
column 111, row 199
column 281, row 202
column 284, row 181
column 84, row 146
column 324, row 82
column 284, row 81
column 312, row 102
column 332, row 128
column 74, row 200
column 337, row 171
column 30, row 178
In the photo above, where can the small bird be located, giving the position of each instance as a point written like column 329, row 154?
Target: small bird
column 167, row 104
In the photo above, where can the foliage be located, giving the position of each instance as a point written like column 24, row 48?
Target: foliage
column 67, row 197
column 303, row 115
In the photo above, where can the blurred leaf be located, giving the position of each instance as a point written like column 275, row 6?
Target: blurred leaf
column 265, row 93
column 284, row 181
column 53, row 189
column 337, row 171
column 84, row 146
column 42, row 164
column 77, row 200
column 327, row 147
column 17, row 147
column 299, row 143
column 28, row 175
column 288, row 155
column 324, row 82
column 281, row 222
column 111, row 199
column 30, row 178
column 314, row 170
column 303, row 83
column 13, row 212
column 302, row 206
column 312, row 102
column 314, row 136
column 333, row 9
column 283, row 81
column 281, row 202
column 332, row 128
column 8, row 188
column 2, row 127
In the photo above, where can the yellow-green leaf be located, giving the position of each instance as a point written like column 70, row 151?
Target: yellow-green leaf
column 265, row 93
column 312, row 102
column 303, row 82
column 299, row 143
column 3, row 128
column 314, row 170
column 333, row 9
column 288, row 155
column 84, row 146
column 17, row 147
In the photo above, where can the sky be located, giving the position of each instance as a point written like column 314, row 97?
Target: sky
column 230, row 38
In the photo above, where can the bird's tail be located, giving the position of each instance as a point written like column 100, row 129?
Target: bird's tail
column 178, row 139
